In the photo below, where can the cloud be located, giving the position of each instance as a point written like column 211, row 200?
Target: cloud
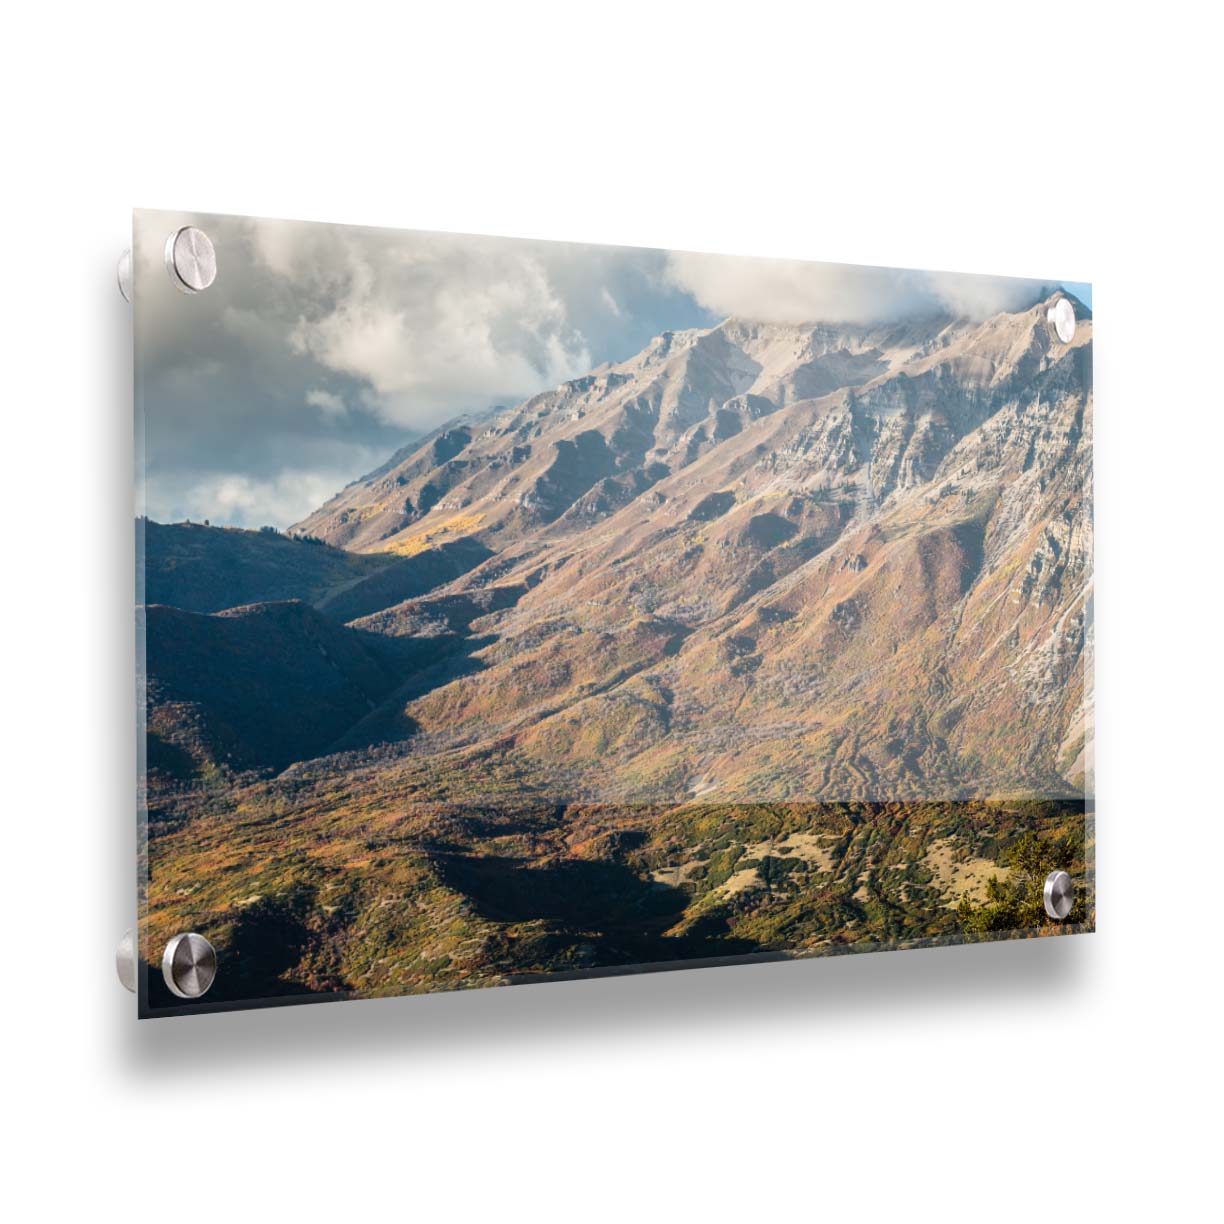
column 431, row 324
column 326, row 402
column 788, row 291
column 980, row 297
column 240, row 500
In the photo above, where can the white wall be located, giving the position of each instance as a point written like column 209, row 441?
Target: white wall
column 1071, row 1078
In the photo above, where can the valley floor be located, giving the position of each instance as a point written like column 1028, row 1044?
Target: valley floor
column 338, row 894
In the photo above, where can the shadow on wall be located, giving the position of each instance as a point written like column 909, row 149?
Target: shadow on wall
column 817, row 994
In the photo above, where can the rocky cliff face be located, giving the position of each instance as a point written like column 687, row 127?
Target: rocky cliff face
column 760, row 563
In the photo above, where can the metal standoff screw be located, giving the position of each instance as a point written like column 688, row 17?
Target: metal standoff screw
column 125, row 961
column 1061, row 317
column 1059, row 895
column 189, row 965
column 191, row 259
column 124, row 274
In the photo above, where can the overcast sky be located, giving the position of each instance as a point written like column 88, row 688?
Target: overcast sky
column 321, row 349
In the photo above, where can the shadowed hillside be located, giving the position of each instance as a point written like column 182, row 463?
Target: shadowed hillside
column 266, row 684
column 209, row 569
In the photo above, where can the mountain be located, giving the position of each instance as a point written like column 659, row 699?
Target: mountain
column 765, row 562
column 770, row 639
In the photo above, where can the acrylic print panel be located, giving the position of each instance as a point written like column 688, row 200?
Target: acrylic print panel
column 518, row 610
